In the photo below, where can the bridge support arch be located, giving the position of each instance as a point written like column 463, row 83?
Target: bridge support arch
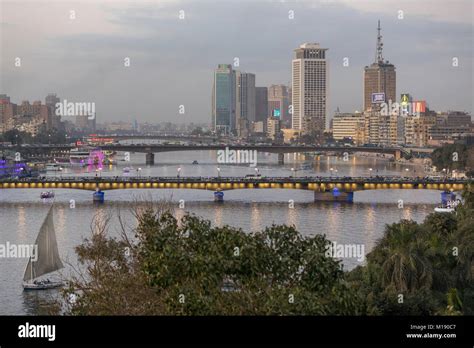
column 150, row 158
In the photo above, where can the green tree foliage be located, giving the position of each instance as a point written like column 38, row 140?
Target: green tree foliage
column 422, row 269
column 189, row 267
column 443, row 157
column 16, row 137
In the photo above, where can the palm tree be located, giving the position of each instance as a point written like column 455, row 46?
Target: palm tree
column 403, row 258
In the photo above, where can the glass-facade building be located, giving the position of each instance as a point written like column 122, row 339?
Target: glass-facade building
column 223, row 99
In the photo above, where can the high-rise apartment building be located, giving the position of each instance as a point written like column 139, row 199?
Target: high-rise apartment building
column 310, row 89
column 379, row 77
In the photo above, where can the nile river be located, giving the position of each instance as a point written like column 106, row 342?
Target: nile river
column 362, row 222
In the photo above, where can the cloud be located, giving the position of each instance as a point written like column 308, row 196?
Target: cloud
column 172, row 60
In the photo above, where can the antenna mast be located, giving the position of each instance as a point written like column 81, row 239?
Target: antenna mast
column 378, row 52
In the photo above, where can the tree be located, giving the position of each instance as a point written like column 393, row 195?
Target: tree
column 430, row 265
column 188, row 267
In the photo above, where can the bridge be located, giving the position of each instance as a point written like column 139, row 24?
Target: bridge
column 166, row 136
column 324, row 188
column 151, row 149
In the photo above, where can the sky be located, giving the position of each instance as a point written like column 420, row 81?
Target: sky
column 80, row 55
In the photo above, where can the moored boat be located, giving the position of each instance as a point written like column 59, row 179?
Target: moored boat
column 47, row 194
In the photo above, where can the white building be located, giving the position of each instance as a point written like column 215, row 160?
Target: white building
column 310, row 87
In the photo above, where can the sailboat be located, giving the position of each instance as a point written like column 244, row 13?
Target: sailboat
column 47, row 258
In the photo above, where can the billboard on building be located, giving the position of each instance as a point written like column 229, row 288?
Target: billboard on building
column 378, row 98
column 419, row 106
column 276, row 113
column 405, row 98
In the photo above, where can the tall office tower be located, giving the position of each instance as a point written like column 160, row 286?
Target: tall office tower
column 379, row 77
column 223, row 99
column 245, row 99
column 310, row 89
column 278, row 103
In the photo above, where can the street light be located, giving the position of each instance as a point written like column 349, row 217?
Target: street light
column 256, row 170
column 218, row 172
column 331, row 169
column 138, row 171
column 370, row 170
column 293, row 171
column 179, row 170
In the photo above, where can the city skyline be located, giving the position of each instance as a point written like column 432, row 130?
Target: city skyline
column 161, row 77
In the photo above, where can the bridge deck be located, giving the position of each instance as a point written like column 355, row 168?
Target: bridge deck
column 321, row 184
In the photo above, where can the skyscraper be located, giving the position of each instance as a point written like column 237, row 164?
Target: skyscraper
column 223, row 99
column 379, row 77
column 245, row 99
column 310, row 89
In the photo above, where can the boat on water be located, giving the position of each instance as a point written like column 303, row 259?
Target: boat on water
column 47, row 194
column 79, row 156
column 11, row 169
column 449, row 207
column 46, row 260
column 127, row 170
column 443, row 209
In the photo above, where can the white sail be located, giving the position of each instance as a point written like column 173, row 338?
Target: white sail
column 48, row 259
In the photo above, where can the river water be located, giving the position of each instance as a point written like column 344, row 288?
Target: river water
column 362, row 222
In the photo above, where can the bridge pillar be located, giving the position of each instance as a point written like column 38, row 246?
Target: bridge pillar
column 281, row 158
column 98, row 196
column 150, row 158
column 218, row 196
column 333, row 196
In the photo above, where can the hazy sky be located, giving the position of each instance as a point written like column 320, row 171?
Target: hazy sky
column 172, row 60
